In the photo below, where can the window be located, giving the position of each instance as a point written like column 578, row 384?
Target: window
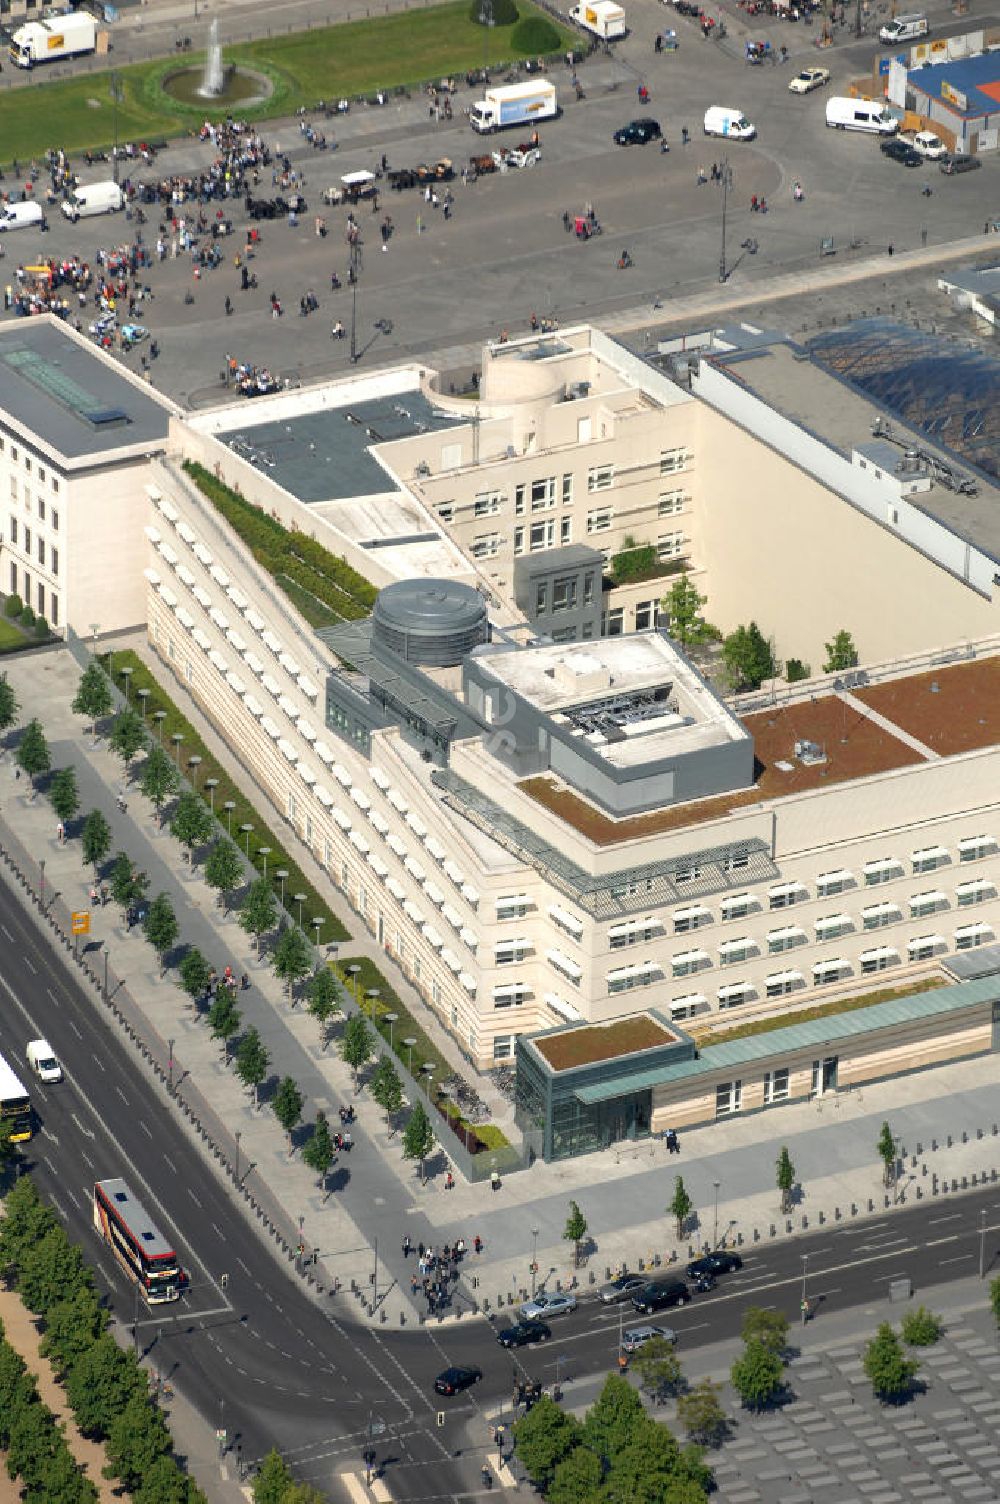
column 647, row 615
column 13, row 579
column 27, row 463
column 54, row 560
column 672, row 460
column 728, row 1098
column 688, row 1005
column 878, row 915
column 924, row 947
column 735, row 994
column 967, row 894
column 632, row 930
column 878, row 960
column 542, row 535
column 446, row 511
column 882, row 871
column 519, row 540
column 41, row 598
column 486, row 546
column 829, row 926
column 670, row 503
column 542, row 598
column 417, row 968
column 27, row 499
column 510, row 952
column 669, row 545
column 41, row 508
column 614, row 621
column 487, row 503
column 55, row 514
column 13, row 454
column 567, row 490
column 786, row 894
column 291, row 807
column 927, row 903
column 513, row 906
column 503, row 1047
column 738, row 906
column 780, row 983
column 691, row 919
column 971, row 935
column 55, row 487
column 564, row 595
column 41, row 552
column 519, row 493
column 930, row 857
column 687, row 874
column 328, row 853
column 785, row 939
column 737, row 950
column 54, row 610
column 588, row 589
column 600, row 478
column 435, row 991
column 308, row 830
column 13, row 488
column 565, row 530
column 543, row 494
column 625, row 978
column 13, row 531
column 776, row 1086
column 188, row 671
column 829, row 971
column 27, row 540
column 687, row 962
column 828, row 884
column 41, row 475
column 971, row 848
column 599, row 521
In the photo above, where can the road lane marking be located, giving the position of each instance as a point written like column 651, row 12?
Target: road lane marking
column 145, row 1130
column 243, row 1266
column 936, row 1242
column 122, row 1095
column 219, row 1231
column 98, row 1061
column 170, row 1163
column 191, row 1193
column 87, row 1132
column 934, row 1221
column 31, row 968
column 72, row 1025
column 7, row 932
column 957, row 1260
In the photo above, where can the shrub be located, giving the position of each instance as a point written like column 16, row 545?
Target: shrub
column 41, row 627
column 535, row 37
column 27, row 617
column 497, row 12
column 14, row 605
column 921, row 1328
column 796, row 670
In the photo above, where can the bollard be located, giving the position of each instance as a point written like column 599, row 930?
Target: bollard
column 965, row 1137
column 756, row 1236
column 788, row 1225
column 979, row 1133
column 836, row 1214
column 920, row 1193
column 854, row 1208
column 591, row 1278
column 949, row 1141
column 871, row 1204
column 822, row 1218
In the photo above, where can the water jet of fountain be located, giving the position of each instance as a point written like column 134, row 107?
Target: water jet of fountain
column 214, row 81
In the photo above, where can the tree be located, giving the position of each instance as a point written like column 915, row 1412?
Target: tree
column 757, row 1376
column 272, row 1481
column 160, row 927
column 766, row 1326
column 323, row 993
column 164, row 1483
column 18, row 1390
column 31, row 1441
column 62, row 1482
column 95, row 839
column 160, row 779
column 682, row 604
column 33, row 755
column 195, row 973
column 26, row 1219
column 658, row 1367
column 137, row 1436
column 840, row 653
column 749, row 657
column 93, row 697
column 796, row 670
column 128, row 735
column 543, row 1438
column 287, row 1106
column 614, row 1419
column 192, row 824
column 921, row 1328
column 681, row 1206
column 317, row 1152
column 71, row 1326
column 49, row 1268
column 259, row 910
column 994, row 1293
column 292, row 957
column 10, row 709
column 224, row 1018
column 64, row 794
column 785, row 1175
column 303, row 1493
column 701, row 1414
column 386, row 1088
column 357, row 1045
column 575, row 1231
column 418, row 1136
column 128, row 884
column 100, row 1383
column 223, row 870
column 890, row 1372
column 646, row 1467
column 886, row 1147
column 577, row 1479
column 252, row 1061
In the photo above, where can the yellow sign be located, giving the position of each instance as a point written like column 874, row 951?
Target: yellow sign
column 954, row 96
column 57, row 40
column 81, row 922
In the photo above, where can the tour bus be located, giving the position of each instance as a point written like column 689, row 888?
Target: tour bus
column 15, row 1106
column 140, row 1248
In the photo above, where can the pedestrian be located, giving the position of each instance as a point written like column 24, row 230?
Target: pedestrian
column 406, row 1246
column 477, row 1243
column 420, row 1249
column 61, row 836
column 420, row 225
column 449, row 1181
column 891, row 250
column 494, row 1181
column 702, row 176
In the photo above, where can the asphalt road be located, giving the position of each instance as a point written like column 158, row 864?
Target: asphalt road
column 259, row 1358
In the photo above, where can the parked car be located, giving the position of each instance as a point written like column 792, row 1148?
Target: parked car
column 637, row 133
column 622, row 1288
column 634, row 1337
column 929, row 146
column 523, row 1333
column 900, row 151
column 454, row 1380
column 809, row 79
column 959, row 161
column 659, row 1293
column 720, row 1262
column 547, row 1305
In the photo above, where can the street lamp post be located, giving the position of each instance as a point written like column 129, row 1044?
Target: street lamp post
column 804, row 1304
column 299, row 899
column 211, row 785
column 194, row 763
column 41, row 880
column 238, row 1137
column 302, row 1245
column 177, row 737
column 982, row 1243
column 352, row 972
column 409, row 1042
column 354, row 270
column 159, row 716
column 170, row 1065
column 229, row 806
column 281, row 873
column 391, row 1018
column 715, row 1223
column 726, row 180
column 105, row 971
column 534, row 1260
column 265, row 852
column 127, row 676
column 318, row 924
column 247, row 831
column 143, row 695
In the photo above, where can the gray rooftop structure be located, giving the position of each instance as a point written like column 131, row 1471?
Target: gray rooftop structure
column 56, row 385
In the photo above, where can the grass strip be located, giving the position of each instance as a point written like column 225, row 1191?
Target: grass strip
column 705, row 1037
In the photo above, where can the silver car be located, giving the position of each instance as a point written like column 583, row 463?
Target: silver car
column 635, row 1337
column 622, row 1288
column 542, row 1306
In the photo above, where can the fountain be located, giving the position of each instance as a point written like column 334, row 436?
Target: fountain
column 214, row 80
column 226, row 85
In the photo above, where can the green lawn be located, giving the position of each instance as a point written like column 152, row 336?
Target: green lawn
column 326, row 63
column 11, row 637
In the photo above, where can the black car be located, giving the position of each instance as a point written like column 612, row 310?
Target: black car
column 659, row 1293
column 959, row 161
column 901, row 151
column 454, row 1380
column 522, row 1333
column 714, row 1263
column 637, row 133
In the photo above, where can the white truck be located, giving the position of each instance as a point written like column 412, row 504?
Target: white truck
column 603, row 17
column 58, row 37
column 93, row 198
column 513, row 104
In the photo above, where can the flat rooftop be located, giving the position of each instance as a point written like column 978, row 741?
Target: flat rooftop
column 950, row 710
column 978, row 78
column 327, row 454
column 57, row 385
column 633, row 699
column 848, row 745
column 570, row 1048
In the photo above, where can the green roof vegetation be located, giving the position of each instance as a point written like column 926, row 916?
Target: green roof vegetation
column 707, row 1036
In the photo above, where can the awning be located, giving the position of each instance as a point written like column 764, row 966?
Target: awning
column 679, row 1005
column 271, row 684
column 515, row 901
column 236, row 641
column 152, row 576
column 287, row 750
column 168, row 597
column 342, row 818
column 734, row 899
column 435, row 848
column 169, row 511
column 452, row 915
column 219, row 575
column 379, row 779
column 935, row 941
column 153, row 534
column 783, row 978
column 417, row 825
column 306, row 774
column 236, row 683
column 976, row 843
column 690, row 958
column 201, row 596
column 237, row 597
column 379, row 822
column 360, row 798
column 216, row 658
column 833, row 922
column 220, row 618
column 169, row 554
column 342, row 775
column 272, row 642
column 470, row 894
column 833, row 967
column 396, row 888
column 289, row 664
column 185, row 576
column 786, row 890
column 358, row 840
column 324, row 753
column 468, row 982
column 185, row 618
column 633, row 927
column 981, row 885
column 744, row 943
column 933, row 899
column 397, row 801
column 185, row 532
column 202, row 639
column 271, row 727
column 434, row 894
column 469, row 937
column 289, row 706
column 255, row 708
column 454, row 871
column 414, row 868
column 566, row 919
column 451, row 960
column 255, row 621
column 973, row 931
column 377, row 865
column 306, row 729
column 734, row 990
column 565, row 1010
column 930, row 854
column 510, row 989
column 879, row 953
column 411, row 910
column 202, row 554
column 563, row 963
column 883, row 864
column 307, row 687
column 254, row 664
column 396, row 843
column 695, row 911
column 638, row 969
column 323, row 795
column 789, row 932
column 513, row 944
column 841, row 876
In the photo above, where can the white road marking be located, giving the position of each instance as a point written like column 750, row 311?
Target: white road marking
column 937, row 1242
column 191, row 1193
column 145, row 1130
column 170, row 1163
column 31, row 968
column 934, row 1221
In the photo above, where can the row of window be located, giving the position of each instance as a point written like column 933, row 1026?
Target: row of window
column 40, row 475
column 46, row 602
column 23, row 540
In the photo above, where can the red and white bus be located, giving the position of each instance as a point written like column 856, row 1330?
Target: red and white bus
column 138, row 1245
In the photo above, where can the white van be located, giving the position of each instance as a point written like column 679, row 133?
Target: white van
column 42, row 1060
column 22, row 216
column 861, row 115
column 904, row 29
column 93, row 198
column 720, row 120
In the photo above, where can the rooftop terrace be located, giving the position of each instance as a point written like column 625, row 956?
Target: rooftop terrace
column 625, row 1036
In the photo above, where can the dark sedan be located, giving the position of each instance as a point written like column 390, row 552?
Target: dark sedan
column 959, row 161
column 900, row 151
column 523, row 1333
column 637, row 133
column 454, row 1380
column 712, row 1264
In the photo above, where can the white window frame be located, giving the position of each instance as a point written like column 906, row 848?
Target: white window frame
column 879, row 958
column 787, row 938
column 973, row 848
column 831, row 926
column 829, row 884
column 687, row 963
column 688, row 1005
column 487, row 503
column 600, row 520
column 968, row 936
column 672, row 461
column 786, row 895
column 878, row 916
column 777, row 1085
column 924, row 947
column 692, row 918
column 485, row 546
column 744, row 948
column 738, row 906
column 670, row 503
column 931, row 902
column 600, row 478
column 735, row 994
column 782, row 983
column 929, row 858
column 980, row 890
column 884, row 869
column 728, row 1098
column 670, row 545
column 830, row 970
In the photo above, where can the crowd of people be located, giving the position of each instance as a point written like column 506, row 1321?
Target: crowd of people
column 437, row 1271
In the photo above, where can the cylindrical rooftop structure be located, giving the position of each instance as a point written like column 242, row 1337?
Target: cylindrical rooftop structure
column 430, row 623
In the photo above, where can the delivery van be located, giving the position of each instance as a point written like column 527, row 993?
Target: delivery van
column 93, row 198
column 23, row 216
column 42, row 1060
column 868, row 115
column 720, row 120
column 904, row 29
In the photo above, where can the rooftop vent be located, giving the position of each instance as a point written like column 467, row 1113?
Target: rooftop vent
column 810, row 754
